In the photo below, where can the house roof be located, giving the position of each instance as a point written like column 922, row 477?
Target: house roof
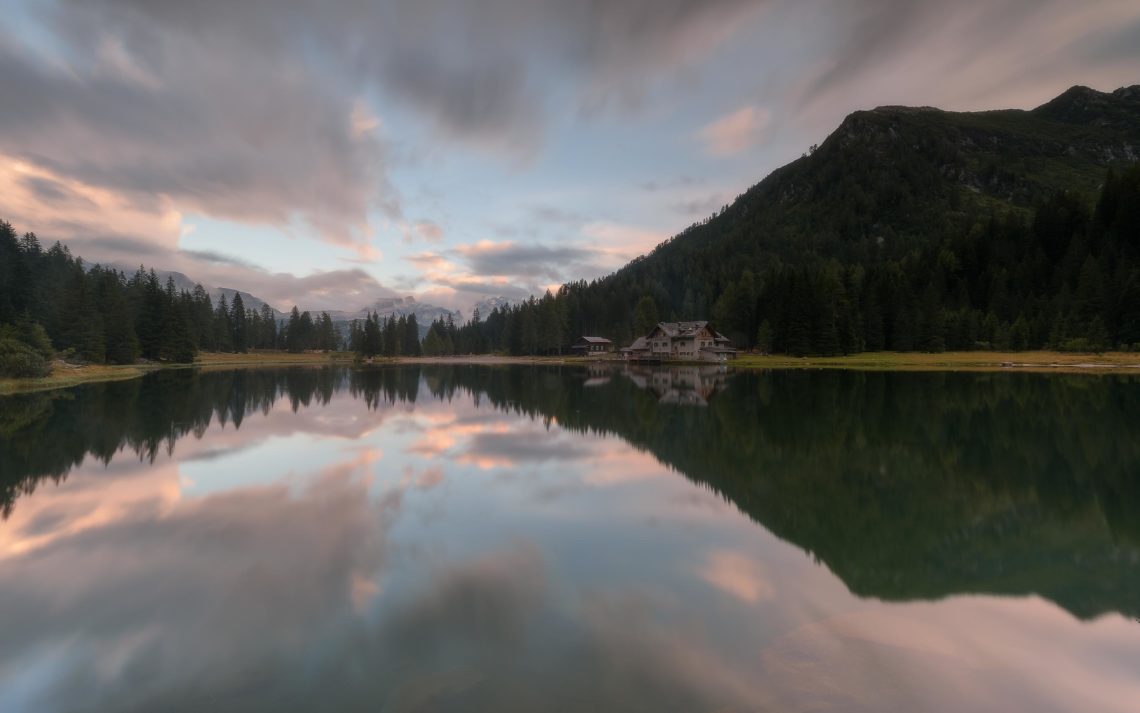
column 595, row 340
column 681, row 329
column 639, row 344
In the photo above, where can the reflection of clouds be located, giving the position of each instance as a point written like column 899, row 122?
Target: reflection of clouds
column 483, row 601
column 621, row 591
column 736, row 575
column 177, row 600
column 967, row 653
column 527, row 445
column 341, row 419
column 426, row 479
column 92, row 497
column 441, row 432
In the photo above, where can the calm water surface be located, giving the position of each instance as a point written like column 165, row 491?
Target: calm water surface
column 557, row 539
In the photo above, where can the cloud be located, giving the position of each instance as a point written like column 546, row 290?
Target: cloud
column 426, row 230
column 517, row 269
column 197, row 138
column 664, row 185
column 57, row 207
column 534, row 259
column 214, row 257
column 703, row 206
column 983, row 55
column 554, row 214
column 736, row 132
column 482, row 104
column 302, row 114
column 49, row 190
column 332, row 289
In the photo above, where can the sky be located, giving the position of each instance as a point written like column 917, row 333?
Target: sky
column 327, row 154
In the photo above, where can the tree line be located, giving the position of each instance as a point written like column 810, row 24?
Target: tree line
column 51, row 302
column 391, row 337
column 1064, row 276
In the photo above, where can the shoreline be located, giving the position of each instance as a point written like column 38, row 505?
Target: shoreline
column 66, row 375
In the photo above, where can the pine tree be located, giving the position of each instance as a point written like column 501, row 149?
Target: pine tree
column 82, row 324
column 239, row 325
column 121, row 342
column 223, row 327
column 293, row 337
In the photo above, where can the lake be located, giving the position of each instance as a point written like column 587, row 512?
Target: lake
column 463, row 538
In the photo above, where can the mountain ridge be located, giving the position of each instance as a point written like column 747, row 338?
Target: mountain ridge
column 887, row 184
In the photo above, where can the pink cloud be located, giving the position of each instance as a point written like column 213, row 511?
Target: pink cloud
column 735, row 132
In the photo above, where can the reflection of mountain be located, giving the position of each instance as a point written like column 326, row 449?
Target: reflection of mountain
column 905, row 485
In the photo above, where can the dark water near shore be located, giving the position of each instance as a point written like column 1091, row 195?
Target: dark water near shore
column 557, row 539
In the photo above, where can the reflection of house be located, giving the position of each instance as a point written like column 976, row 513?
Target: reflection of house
column 589, row 346
column 681, row 341
column 638, row 351
column 598, row 375
column 684, row 385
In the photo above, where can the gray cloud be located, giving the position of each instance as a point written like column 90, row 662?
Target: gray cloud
column 554, row 214
column 51, row 191
column 213, row 257
column 476, row 70
column 110, row 244
column 534, row 260
column 700, row 206
column 966, row 50
column 485, row 288
column 335, row 289
column 486, row 104
column 1120, row 42
column 680, row 182
column 171, row 116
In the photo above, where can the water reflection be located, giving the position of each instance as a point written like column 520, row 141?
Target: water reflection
column 687, row 385
column 508, row 539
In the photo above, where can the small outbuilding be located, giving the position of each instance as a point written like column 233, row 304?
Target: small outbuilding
column 590, row 346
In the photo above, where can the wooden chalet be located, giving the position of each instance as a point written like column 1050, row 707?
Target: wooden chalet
column 592, row 346
column 681, row 341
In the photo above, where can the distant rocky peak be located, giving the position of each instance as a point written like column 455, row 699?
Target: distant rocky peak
column 1087, row 106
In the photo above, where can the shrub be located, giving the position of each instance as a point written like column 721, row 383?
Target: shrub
column 19, row 360
column 36, row 337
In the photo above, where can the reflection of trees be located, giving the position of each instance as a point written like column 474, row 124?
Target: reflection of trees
column 45, row 435
column 905, row 485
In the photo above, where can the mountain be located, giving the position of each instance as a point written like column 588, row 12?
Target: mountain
column 384, row 306
column 940, row 214
column 183, row 282
column 487, row 305
column 891, row 176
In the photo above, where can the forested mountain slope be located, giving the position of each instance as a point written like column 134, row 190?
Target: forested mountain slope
column 915, row 228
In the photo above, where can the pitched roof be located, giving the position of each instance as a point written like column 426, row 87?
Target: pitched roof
column 595, row 340
column 682, row 329
column 639, row 344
